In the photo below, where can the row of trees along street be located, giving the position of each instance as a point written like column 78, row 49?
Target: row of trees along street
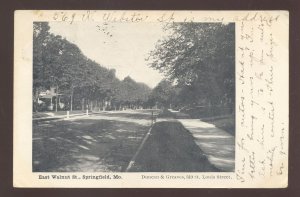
column 198, row 60
column 80, row 82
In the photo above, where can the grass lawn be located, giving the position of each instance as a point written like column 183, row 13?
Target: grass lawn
column 226, row 123
column 171, row 148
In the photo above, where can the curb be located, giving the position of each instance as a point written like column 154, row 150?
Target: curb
column 132, row 161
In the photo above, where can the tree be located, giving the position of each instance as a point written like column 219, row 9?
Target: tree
column 200, row 58
column 58, row 62
column 132, row 94
column 162, row 94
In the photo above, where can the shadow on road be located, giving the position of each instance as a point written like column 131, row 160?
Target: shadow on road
column 85, row 145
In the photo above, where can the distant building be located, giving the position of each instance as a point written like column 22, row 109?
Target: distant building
column 47, row 98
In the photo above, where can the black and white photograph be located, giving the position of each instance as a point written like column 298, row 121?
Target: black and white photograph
column 151, row 99
column 133, row 97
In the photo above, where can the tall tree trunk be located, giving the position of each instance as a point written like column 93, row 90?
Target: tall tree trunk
column 36, row 100
column 56, row 98
column 99, row 104
column 104, row 106
column 82, row 104
column 71, row 102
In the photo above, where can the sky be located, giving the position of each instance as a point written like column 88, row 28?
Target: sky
column 122, row 46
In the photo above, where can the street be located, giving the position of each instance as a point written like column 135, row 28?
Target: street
column 118, row 141
column 103, row 142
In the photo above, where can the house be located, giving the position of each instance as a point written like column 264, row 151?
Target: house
column 47, row 99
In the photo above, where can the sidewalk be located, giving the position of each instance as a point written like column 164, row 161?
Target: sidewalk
column 44, row 116
column 217, row 144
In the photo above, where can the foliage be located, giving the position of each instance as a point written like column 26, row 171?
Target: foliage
column 200, row 59
column 131, row 92
column 163, row 93
column 58, row 62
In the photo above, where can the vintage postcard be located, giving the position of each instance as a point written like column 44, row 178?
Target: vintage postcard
column 151, row 99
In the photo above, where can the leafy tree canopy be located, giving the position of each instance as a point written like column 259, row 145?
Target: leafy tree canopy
column 200, row 58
